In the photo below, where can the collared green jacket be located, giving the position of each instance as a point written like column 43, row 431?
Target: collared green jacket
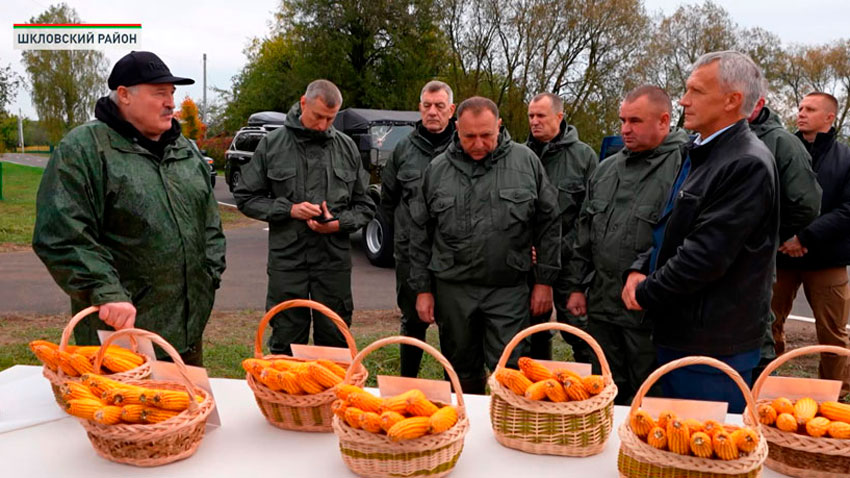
column 625, row 198
column 401, row 179
column 117, row 224
column 476, row 221
column 293, row 164
column 799, row 191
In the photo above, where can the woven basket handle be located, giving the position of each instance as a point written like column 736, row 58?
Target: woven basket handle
column 289, row 304
column 600, row 355
column 778, row 361
column 696, row 360
column 398, row 339
column 175, row 356
column 66, row 333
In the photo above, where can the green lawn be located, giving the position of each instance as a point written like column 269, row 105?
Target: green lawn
column 17, row 209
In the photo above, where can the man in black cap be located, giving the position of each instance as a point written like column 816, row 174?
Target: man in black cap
column 126, row 218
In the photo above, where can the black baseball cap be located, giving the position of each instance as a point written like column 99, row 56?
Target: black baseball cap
column 139, row 67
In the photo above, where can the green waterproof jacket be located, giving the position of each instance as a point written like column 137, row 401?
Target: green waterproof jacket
column 401, row 179
column 569, row 164
column 476, row 221
column 293, row 164
column 799, row 192
column 625, row 198
column 117, row 224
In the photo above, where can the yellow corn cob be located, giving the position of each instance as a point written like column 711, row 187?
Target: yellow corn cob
column 725, row 446
column 289, row 383
column 64, row 360
column 534, row 370
column 130, row 395
column 322, row 375
column 76, row 391
column 83, row 408
column 409, row 428
column 126, row 354
column 678, row 437
column 694, row 425
column 641, row 423
column 371, row 422
column 173, row 400
column 47, row 356
column 283, row 364
column 45, row 343
column 666, row 417
column 352, row 416
column 117, row 363
column 657, row 438
column 99, row 384
column 805, row 409
column 306, row 381
column 746, row 439
column 338, row 408
column 514, row 380
column 711, row 426
column 594, row 384
column 836, row 411
column 343, row 390
column 555, row 391
column 333, row 367
column 575, row 390
column 390, row 418
column 839, row 429
column 536, row 391
column 398, row 403
column 255, row 366
column 421, row 407
column 444, row 418
column 365, row 401
column 701, row 445
column 80, row 364
column 157, row 415
column 132, row 413
column 108, row 415
column 271, row 378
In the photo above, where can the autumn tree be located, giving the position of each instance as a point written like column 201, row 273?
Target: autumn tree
column 190, row 120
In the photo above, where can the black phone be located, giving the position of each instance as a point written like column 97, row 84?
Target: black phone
column 323, row 219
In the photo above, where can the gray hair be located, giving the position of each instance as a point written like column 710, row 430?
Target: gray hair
column 737, row 72
column 324, row 89
column 435, row 86
column 555, row 100
column 476, row 105
column 113, row 94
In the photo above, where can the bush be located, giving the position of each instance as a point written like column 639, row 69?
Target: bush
column 215, row 148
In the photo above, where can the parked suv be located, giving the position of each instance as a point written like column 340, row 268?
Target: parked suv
column 245, row 142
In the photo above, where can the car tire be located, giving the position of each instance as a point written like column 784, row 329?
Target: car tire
column 378, row 241
column 235, row 178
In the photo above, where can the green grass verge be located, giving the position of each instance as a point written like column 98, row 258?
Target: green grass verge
column 17, row 209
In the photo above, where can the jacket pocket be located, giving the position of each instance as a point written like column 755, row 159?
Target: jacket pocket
column 646, row 218
column 443, row 209
column 570, row 197
column 341, row 188
column 519, row 260
column 516, row 206
column 598, row 219
column 409, row 179
column 282, row 182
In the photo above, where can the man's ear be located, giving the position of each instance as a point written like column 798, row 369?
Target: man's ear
column 734, row 101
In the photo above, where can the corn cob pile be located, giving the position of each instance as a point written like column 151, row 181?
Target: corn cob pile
column 402, row 417
column 293, row 377
column 77, row 360
column 536, row 382
column 807, row 417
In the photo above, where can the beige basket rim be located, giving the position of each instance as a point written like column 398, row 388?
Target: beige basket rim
column 310, row 304
column 580, row 407
column 792, row 354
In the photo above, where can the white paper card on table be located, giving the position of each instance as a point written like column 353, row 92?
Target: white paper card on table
column 798, row 387
column 434, row 390
column 582, row 369
column 699, row 409
column 27, row 401
column 314, row 352
column 145, row 345
column 198, row 375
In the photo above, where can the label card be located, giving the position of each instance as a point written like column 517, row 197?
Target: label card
column 583, row 369
column 435, row 390
column 313, row 352
column 797, row 387
column 198, row 375
column 699, row 409
column 145, row 345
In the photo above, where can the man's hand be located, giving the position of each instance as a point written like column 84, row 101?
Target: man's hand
column 793, row 248
column 629, row 289
column 119, row 315
column 305, row 210
column 541, row 299
column 577, row 304
column 425, row 307
column 324, row 227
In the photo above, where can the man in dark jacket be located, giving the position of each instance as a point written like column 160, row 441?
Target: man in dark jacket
column 126, row 218
column 625, row 198
column 483, row 204
column 568, row 163
column 400, row 181
column 307, row 181
column 706, row 282
column 818, row 255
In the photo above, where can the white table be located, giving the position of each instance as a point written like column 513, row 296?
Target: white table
column 247, row 446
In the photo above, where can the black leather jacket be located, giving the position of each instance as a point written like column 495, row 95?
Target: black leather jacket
column 713, row 281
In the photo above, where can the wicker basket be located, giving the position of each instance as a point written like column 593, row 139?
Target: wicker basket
column 802, row 455
column 306, row 413
column 58, row 377
column 637, row 459
column 546, row 428
column 372, row 455
column 158, row 443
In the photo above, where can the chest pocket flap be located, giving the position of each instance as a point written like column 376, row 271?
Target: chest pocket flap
column 649, row 213
column 516, row 195
column 280, row 174
column 441, row 204
column 408, row 175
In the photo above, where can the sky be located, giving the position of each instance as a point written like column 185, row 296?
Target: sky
column 180, row 32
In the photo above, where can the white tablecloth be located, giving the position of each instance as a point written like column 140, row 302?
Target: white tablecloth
column 247, row 446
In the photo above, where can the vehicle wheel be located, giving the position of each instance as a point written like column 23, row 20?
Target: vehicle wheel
column 378, row 241
column 235, row 178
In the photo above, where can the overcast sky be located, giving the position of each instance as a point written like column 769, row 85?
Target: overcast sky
column 180, row 32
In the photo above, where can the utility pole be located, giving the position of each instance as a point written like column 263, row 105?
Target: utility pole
column 204, row 114
column 21, row 129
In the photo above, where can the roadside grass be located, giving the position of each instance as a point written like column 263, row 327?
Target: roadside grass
column 17, row 209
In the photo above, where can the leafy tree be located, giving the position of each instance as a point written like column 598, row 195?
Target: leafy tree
column 65, row 83
column 9, row 82
column 190, row 120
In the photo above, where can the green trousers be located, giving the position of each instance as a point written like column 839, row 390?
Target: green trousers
column 411, row 326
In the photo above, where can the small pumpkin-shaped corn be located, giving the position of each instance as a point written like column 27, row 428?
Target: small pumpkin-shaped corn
column 678, row 437
column 657, row 438
column 83, row 408
column 818, row 426
column 711, row 426
column 390, row 418
column 421, row 407
column 514, row 380
column 666, row 417
column 108, row 415
column 534, row 370
column 786, row 422
column 641, row 423
column 322, row 375
column 783, row 405
column 836, row 411
column 338, row 408
column 333, row 367
column 443, row 419
column 132, row 413
column 724, row 446
column 701, row 445
column 805, row 409
column 594, row 384
column 767, row 414
column 343, row 390
column 694, row 425
column 409, row 428
column 555, row 391
column 575, row 390
column 157, row 415
column 306, row 381
column 371, row 422
column 352, row 416
column 746, row 439
column 365, row 401
column 839, row 430
column 537, row 391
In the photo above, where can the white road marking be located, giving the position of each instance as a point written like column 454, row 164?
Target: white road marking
column 225, row 204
